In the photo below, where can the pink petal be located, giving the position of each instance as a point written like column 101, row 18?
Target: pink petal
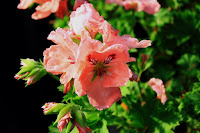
column 40, row 15
column 158, row 87
column 24, row 4
column 117, row 75
column 57, row 59
column 111, row 37
column 99, row 97
column 63, row 37
column 151, row 6
column 103, row 97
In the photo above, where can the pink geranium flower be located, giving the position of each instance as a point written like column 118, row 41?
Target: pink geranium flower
column 85, row 17
column 158, row 87
column 104, row 71
column 46, row 7
column 149, row 6
column 60, row 59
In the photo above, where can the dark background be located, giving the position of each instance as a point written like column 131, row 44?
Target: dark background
column 25, row 38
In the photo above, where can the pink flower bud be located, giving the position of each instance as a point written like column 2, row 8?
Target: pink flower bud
column 63, row 122
column 48, row 106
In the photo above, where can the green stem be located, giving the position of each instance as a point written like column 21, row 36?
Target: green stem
column 54, row 76
column 138, row 86
column 69, row 126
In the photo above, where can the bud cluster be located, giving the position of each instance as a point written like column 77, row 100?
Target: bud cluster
column 31, row 71
column 68, row 115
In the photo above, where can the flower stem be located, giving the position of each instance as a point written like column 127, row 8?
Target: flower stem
column 138, row 87
column 54, row 76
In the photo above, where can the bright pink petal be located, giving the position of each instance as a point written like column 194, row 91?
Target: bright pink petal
column 99, row 96
column 102, row 97
column 117, row 74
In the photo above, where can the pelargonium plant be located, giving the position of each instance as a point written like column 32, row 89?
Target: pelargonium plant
column 93, row 63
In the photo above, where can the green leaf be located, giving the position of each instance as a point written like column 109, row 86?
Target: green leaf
column 63, row 112
column 77, row 41
column 104, row 128
column 79, row 116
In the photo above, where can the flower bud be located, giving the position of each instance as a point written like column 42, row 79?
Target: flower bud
column 31, row 71
column 63, row 112
column 52, row 107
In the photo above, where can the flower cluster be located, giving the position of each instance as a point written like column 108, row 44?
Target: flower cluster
column 68, row 115
column 149, row 6
column 97, row 69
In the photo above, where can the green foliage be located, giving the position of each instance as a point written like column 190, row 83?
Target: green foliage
column 173, row 57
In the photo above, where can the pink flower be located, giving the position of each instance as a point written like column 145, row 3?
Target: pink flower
column 149, row 6
column 48, row 106
column 63, row 122
column 85, row 16
column 111, row 36
column 60, row 59
column 104, row 71
column 158, row 87
column 46, row 7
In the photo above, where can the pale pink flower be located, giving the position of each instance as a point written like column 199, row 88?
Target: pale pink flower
column 149, row 6
column 48, row 106
column 46, row 7
column 63, row 122
column 111, row 36
column 158, row 87
column 85, row 17
column 60, row 58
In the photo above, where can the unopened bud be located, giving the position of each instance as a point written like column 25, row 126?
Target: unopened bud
column 31, row 71
column 52, row 107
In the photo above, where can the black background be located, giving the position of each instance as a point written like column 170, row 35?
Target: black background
column 25, row 38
